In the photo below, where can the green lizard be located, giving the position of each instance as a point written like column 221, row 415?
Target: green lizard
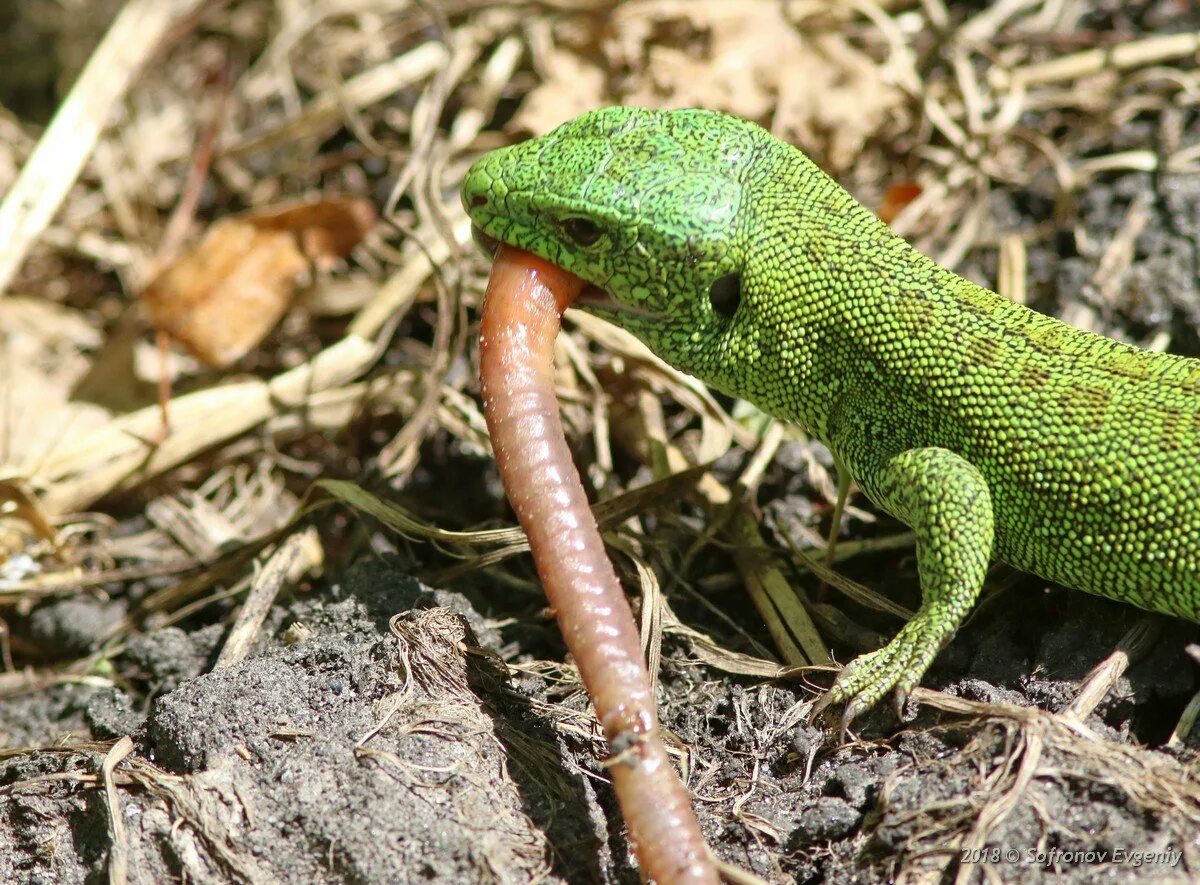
column 990, row 429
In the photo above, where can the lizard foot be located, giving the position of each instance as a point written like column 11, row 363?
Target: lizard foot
column 897, row 666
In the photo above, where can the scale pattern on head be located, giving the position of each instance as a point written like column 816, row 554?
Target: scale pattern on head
column 654, row 207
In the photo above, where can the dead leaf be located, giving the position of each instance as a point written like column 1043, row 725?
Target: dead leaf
column 222, row 297
column 895, row 198
column 810, row 86
column 720, row 55
column 45, row 349
column 570, row 87
column 328, row 230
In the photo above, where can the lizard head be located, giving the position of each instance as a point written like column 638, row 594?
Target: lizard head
column 651, row 208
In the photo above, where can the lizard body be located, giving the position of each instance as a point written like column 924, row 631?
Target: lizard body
column 990, row 429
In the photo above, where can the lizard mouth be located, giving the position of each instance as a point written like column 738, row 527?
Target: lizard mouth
column 489, row 244
column 592, row 295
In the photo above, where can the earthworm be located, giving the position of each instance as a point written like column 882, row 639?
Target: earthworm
column 522, row 312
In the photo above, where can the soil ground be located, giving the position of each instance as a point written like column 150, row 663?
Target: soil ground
column 389, row 726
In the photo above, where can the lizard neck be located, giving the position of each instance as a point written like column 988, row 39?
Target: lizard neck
column 843, row 315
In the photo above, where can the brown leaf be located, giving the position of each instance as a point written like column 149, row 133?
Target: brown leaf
column 895, row 198
column 571, row 86
column 810, row 85
column 328, row 230
column 222, row 297
column 45, row 350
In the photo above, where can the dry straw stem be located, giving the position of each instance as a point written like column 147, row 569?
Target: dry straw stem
column 298, row 555
column 1123, row 56
column 68, row 141
column 124, row 453
column 795, row 636
column 1054, row 746
column 118, row 855
column 189, row 801
column 507, row 542
column 327, row 112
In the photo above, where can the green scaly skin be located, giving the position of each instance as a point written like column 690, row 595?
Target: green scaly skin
column 993, row 431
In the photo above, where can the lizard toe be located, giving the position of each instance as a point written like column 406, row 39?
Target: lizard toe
column 898, row 666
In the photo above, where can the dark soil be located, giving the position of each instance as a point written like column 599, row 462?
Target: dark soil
column 365, row 754
column 398, row 736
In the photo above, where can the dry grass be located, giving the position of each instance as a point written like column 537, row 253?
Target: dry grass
column 391, row 100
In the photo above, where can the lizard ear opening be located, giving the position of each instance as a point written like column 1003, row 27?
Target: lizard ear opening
column 725, row 294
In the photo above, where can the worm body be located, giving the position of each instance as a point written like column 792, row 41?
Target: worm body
column 522, row 314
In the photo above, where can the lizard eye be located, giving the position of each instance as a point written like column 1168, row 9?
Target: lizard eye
column 725, row 294
column 583, row 231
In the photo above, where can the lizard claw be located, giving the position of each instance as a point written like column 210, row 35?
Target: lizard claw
column 828, row 699
column 849, row 713
column 854, row 705
column 898, row 667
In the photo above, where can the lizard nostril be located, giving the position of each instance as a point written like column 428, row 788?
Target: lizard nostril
column 477, row 201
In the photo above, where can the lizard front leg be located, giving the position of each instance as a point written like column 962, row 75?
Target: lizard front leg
column 945, row 500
